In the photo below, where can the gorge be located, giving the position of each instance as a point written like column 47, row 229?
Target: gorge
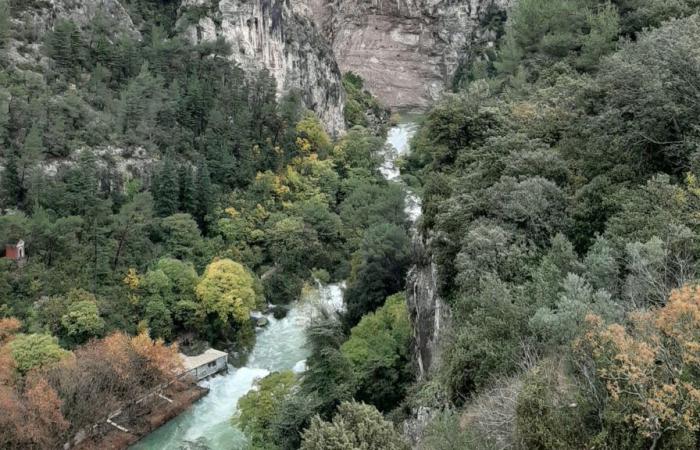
column 279, row 346
column 424, row 224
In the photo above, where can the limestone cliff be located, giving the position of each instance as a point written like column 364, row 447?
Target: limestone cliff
column 429, row 314
column 277, row 35
column 406, row 50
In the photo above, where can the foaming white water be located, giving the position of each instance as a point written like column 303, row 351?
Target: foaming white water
column 279, row 346
column 398, row 144
column 299, row 367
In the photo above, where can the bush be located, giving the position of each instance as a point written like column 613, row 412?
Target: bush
column 355, row 426
column 551, row 412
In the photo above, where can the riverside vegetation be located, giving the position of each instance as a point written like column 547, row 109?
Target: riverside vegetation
column 560, row 198
column 560, row 201
column 246, row 200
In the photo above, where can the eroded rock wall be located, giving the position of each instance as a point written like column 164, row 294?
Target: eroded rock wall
column 280, row 36
column 406, row 50
column 428, row 312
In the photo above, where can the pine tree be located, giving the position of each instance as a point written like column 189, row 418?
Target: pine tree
column 166, row 191
column 10, row 181
column 5, row 27
column 187, row 191
column 203, row 194
column 32, row 151
column 65, row 47
column 193, row 108
column 57, row 136
column 82, row 187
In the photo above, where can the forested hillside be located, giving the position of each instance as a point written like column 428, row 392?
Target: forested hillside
column 162, row 191
column 560, row 204
column 168, row 200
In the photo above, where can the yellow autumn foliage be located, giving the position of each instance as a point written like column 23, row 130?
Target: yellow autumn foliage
column 227, row 289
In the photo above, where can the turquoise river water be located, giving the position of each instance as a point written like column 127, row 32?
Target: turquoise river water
column 279, row 346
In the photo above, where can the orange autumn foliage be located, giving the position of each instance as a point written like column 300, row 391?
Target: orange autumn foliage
column 49, row 405
column 8, row 328
column 31, row 418
column 7, row 366
column 650, row 368
column 44, row 407
column 162, row 359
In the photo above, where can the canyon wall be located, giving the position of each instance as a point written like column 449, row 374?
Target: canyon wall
column 429, row 314
column 277, row 35
column 406, row 50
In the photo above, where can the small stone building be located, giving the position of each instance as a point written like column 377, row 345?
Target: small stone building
column 15, row 251
column 206, row 364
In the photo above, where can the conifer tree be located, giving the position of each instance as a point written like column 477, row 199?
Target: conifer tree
column 32, row 150
column 203, row 194
column 187, row 191
column 65, row 47
column 4, row 22
column 166, row 191
column 10, row 181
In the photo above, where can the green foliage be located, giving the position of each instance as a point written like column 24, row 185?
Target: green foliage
column 601, row 39
column 381, row 270
column 312, row 136
column 166, row 190
column 329, row 376
column 31, row 351
column 446, row 432
column 258, row 409
column 355, row 425
column 227, row 290
column 559, row 183
column 551, row 413
column 359, row 104
column 378, row 350
column 181, row 235
column 82, row 320
column 5, row 26
column 64, row 47
column 157, row 315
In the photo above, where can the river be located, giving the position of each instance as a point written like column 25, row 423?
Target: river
column 279, row 346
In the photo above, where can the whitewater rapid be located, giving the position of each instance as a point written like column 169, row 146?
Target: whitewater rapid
column 279, row 346
column 398, row 143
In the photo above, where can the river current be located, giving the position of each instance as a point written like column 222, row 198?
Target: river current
column 279, row 346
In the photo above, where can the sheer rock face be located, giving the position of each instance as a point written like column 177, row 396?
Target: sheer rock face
column 406, row 50
column 280, row 36
column 429, row 314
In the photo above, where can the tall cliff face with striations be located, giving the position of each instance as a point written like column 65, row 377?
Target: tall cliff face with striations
column 406, row 50
column 277, row 35
column 430, row 316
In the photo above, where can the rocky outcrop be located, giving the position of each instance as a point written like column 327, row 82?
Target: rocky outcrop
column 35, row 18
column 406, row 50
column 429, row 314
column 116, row 166
column 277, row 35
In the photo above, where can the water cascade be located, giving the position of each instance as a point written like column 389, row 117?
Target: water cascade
column 279, row 346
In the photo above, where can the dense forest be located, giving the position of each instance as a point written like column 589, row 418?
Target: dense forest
column 164, row 194
column 560, row 203
column 226, row 199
